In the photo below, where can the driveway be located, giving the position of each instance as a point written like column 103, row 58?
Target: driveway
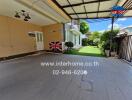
column 26, row 79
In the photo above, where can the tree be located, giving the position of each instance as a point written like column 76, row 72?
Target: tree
column 94, row 35
column 84, row 27
column 105, row 39
column 95, row 38
column 106, row 35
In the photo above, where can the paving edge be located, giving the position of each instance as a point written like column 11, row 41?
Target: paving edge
column 126, row 62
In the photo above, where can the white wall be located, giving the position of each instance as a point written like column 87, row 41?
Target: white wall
column 70, row 36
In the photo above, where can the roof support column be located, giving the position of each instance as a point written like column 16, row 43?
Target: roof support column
column 111, row 35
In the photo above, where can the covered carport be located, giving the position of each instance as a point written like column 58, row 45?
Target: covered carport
column 33, row 78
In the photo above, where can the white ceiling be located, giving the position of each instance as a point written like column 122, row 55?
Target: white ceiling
column 8, row 8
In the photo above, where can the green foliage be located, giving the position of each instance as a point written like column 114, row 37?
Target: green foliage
column 84, row 28
column 86, row 51
column 94, row 39
column 105, row 45
column 106, row 35
column 105, row 40
column 69, row 45
column 114, row 46
column 94, row 35
column 90, row 42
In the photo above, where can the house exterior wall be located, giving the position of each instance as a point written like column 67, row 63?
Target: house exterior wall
column 14, row 38
column 70, row 36
column 52, row 33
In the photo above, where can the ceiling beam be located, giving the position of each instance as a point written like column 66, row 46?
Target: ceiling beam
column 61, row 8
column 103, row 11
column 117, row 2
column 98, row 20
column 104, row 17
column 98, row 8
column 125, row 3
column 85, row 8
column 124, row 6
column 73, row 8
column 91, row 12
column 79, row 4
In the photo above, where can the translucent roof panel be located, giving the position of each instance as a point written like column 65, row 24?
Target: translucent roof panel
column 107, row 5
column 92, row 7
column 62, row 2
column 78, row 9
column 82, row 15
column 104, row 14
column 75, row 1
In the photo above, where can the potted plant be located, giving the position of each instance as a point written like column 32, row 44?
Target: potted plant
column 106, row 47
column 69, row 45
column 114, row 49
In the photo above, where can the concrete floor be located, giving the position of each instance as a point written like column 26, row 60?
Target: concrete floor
column 25, row 79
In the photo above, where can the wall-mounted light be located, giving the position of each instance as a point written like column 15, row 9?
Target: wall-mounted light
column 17, row 15
column 24, row 14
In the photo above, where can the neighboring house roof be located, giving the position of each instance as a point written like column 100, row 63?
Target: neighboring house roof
column 125, row 31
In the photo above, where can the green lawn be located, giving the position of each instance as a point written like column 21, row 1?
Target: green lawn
column 86, row 51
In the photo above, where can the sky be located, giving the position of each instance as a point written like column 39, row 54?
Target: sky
column 106, row 25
